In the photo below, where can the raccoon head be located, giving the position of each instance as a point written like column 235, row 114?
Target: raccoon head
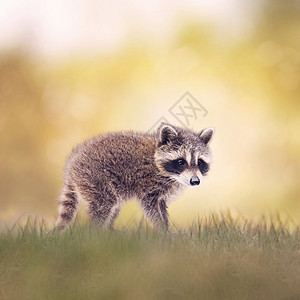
column 183, row 155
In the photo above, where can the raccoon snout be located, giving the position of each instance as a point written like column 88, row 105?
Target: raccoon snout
column 195, row 180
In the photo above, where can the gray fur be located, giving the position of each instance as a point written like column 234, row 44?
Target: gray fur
column 107, row 170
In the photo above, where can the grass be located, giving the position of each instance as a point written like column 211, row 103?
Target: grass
column 217, row 258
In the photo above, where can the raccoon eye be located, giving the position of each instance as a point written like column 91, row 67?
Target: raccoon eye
column 175, row 166
column 181, row 162
column 203, row 166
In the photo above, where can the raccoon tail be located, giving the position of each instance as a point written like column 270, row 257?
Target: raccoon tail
column 68, row 207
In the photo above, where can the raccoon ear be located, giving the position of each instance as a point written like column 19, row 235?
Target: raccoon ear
column 166, row 133
column 206, row 135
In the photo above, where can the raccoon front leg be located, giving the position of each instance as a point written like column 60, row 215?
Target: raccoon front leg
column 155, row 210
column 68, row 207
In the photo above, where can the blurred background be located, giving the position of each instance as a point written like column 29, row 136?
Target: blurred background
column 70, row 70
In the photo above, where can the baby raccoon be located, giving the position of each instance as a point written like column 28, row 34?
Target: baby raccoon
column 106, row 170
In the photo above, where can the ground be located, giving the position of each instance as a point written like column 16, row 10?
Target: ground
column 215, row 258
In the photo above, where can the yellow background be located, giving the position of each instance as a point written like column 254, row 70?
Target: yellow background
column 71, row 71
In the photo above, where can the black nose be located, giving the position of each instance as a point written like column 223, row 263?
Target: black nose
column 195, row 180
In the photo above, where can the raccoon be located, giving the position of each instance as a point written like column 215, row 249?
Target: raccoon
column 107, row 170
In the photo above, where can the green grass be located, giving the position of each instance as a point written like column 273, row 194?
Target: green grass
column 217, row 258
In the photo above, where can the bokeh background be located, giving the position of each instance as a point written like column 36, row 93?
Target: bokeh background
column 73, row 69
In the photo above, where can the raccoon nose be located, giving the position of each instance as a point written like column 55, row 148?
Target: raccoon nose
column 195, row 180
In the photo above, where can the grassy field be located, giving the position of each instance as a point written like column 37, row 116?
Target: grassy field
column 217, row 258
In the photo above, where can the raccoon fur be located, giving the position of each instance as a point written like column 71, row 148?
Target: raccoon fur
column 107, row 170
